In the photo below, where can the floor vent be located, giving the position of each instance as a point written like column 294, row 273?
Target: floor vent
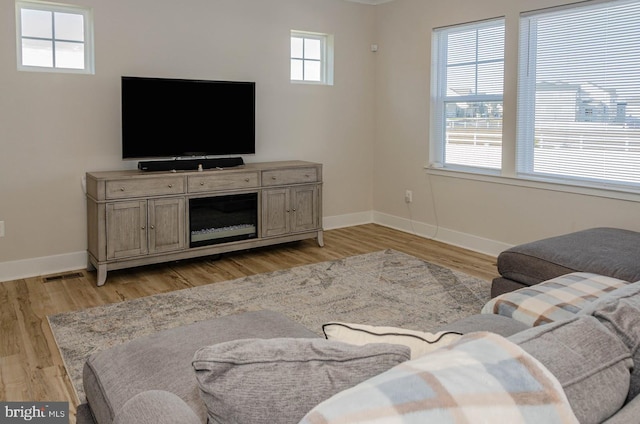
column 59, row 277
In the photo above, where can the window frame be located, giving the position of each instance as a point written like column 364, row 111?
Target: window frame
column 440, row 98
column 326, row 57
column 526, row 119
column 86, row 13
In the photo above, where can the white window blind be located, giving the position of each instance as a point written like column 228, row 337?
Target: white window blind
column 579, row 95
column 468, row 89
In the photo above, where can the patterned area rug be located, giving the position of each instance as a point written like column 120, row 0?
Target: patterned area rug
column 382, row 288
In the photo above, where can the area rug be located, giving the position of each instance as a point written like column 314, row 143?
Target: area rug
column 382, row 288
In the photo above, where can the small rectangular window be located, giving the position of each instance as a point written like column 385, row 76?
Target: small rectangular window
column 311, row 57
column 54, row 37
column 467, row 91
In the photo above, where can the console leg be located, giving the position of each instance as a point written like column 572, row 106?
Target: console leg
column 102, row 275
column 320, row 238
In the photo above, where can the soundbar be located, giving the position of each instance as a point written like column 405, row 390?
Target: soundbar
column 189, row 164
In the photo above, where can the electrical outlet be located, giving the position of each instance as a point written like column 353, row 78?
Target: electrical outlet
column 408, row 196
column 1, row 228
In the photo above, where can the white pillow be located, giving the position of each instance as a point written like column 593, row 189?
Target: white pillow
column 419, row 342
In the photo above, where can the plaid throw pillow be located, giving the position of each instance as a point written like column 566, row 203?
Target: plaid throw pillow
column 481, row 378
column 552, row 300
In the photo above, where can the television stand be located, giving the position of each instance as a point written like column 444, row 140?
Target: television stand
column 189, row 164
column 139, row 218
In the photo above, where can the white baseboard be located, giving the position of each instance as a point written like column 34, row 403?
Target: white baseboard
column 25, row 268
column 418, row 228
column 349, row 220
column 14, row 270
column 455, row 238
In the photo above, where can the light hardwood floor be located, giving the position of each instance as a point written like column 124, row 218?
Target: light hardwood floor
column 31, row 368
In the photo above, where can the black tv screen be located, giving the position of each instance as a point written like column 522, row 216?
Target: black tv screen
column 169, row 118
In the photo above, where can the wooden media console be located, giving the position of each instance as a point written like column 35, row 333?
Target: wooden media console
column 139, row 218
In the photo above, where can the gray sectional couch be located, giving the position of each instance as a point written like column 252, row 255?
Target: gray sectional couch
column 151, row 379
column 169, row 378
column 150, row 367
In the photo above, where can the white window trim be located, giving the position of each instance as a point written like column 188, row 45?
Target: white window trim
column 87, row 13
column 439, row 99
column 524, row 158
column 586, row 190
column 508, row 176
column 326, row 59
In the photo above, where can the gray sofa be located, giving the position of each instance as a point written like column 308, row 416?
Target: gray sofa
column 151, row 379
column 613, row 252
column 162, row 363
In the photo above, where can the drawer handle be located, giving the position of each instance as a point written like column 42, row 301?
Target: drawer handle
column 273, row 178
column 121, row 188
column 201, row 182
column 294, row 209
column 170, row 185
column 153, row 228
column 143, row 227
column 306, row 175
column 246, row 180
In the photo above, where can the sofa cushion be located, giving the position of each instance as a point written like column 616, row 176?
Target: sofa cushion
column 553, row 300
column 481, row 378
column 278, row 380
column 619, row 311
column 628, row 414
column 591, row 363
column 607, row 251
column 501, row 285
column 162, row 361
column 419, row 342
column 156, row 407
column 485, row 322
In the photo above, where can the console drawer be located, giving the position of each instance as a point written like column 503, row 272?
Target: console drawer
column 222, row 181
column 289, row 176
column 143, row 187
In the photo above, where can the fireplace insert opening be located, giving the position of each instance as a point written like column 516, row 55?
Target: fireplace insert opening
column 222, row 219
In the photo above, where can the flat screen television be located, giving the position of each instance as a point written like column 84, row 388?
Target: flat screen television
column 171, row 118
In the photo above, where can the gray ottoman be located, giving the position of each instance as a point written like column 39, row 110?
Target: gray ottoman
column 607, row 251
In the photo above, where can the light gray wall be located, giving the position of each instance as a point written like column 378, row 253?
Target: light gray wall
column 55, row 127
column 370, row 130
column 485, row 215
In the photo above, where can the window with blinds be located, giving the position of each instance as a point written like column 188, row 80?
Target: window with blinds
column 467, row 102
column 579, row 95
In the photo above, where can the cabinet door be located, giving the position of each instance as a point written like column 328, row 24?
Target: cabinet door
column 166, row 225
column 126, row 229
column 304, row 213
column 275, row 212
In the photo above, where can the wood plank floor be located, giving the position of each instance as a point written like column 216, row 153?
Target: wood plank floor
column 31, row 368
